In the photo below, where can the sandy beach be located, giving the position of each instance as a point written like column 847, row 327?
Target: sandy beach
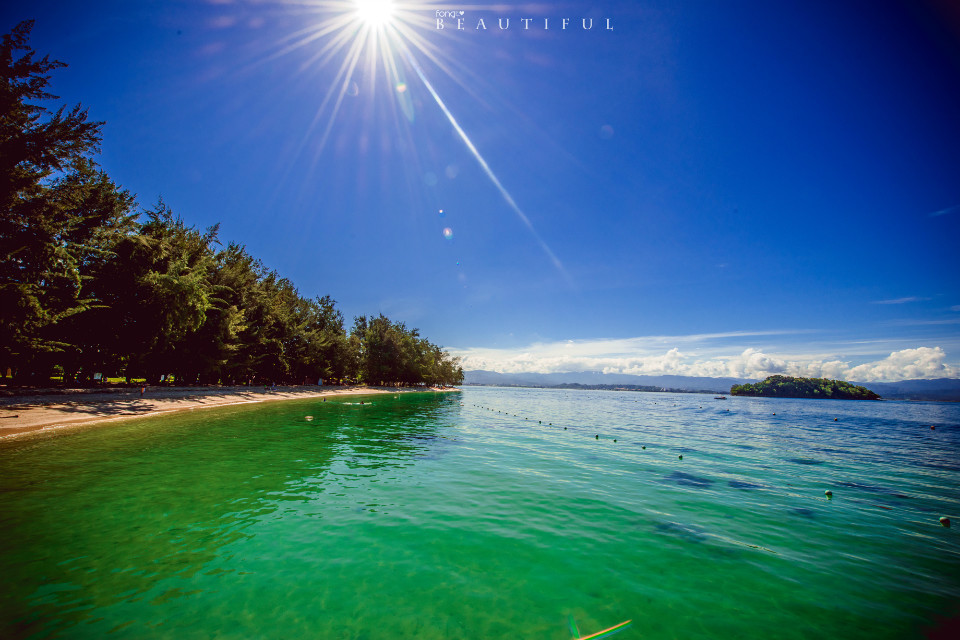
column 25, row 414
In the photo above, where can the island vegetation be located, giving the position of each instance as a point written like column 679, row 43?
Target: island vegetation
column 92, row 286
column 789, row 387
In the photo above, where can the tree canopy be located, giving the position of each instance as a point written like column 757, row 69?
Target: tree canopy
column 788, row 387
column 90, row 283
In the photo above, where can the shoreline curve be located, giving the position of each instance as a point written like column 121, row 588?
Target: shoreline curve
column 31, row 414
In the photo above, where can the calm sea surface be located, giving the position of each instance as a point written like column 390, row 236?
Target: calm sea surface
column 470, row 515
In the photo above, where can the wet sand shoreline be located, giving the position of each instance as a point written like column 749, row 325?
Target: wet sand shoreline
column 21, row 415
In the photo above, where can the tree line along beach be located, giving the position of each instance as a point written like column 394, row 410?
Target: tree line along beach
column 93, row 287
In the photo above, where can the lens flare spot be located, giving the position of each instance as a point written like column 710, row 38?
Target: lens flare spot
column 448, row 233
column 430, row 179
column 405, row 100
column 442, row 214
column 452, row 171
column 606, row 132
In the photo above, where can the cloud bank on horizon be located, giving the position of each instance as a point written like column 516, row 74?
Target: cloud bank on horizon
column 641, row 356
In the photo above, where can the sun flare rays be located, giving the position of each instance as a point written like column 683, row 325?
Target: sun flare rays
column 384, row 38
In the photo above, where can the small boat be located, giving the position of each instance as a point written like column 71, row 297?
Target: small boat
column 720, row 397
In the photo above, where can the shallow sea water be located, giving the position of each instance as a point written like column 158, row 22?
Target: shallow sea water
column 469, row 515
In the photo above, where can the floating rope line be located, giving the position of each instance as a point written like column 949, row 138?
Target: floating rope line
column 599, row 634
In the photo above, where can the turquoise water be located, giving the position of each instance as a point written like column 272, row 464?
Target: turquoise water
column 468, row 515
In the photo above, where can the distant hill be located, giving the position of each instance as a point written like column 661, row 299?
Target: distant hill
column 683, row 383
column 942, row 390
column 790, row 387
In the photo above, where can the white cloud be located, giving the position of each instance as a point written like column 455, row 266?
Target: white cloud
column 908, row 364
column 943, row 212
column 656, row 356
column 901, row 300
column 923, row 323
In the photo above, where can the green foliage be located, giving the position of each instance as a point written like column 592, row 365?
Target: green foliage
column 88, row 285
column 388, row 352
column 59, row 215
column 788, row 387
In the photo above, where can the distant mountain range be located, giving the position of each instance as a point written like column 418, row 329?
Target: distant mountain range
column 942, row 389
column 683, row 383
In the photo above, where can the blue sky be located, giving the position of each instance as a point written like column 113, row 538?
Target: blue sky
column 719, row 188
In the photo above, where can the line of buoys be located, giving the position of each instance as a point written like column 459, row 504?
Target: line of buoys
column 596, row 436
column 540, row 422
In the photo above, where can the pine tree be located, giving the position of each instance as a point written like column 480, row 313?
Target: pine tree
column 57, row 210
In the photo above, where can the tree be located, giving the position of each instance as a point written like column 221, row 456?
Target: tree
column 32, row 148
column 387, row 352
column 155, row 293
column 96, row 220
column 326, row 351
column 58, row 212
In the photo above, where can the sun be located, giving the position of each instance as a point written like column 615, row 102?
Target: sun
column 374, row 38
column 374, row 12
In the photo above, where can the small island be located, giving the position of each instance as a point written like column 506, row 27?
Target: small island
column 789, row 387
